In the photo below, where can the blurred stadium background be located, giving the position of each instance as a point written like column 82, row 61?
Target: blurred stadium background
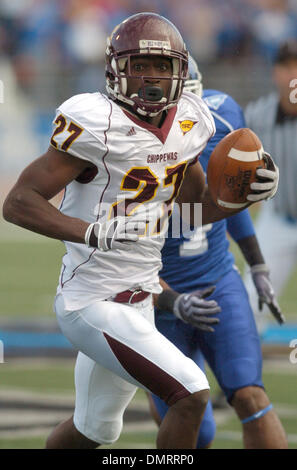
column 49, row 51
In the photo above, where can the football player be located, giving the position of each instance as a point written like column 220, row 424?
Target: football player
column 121, row 158
column 231, row 347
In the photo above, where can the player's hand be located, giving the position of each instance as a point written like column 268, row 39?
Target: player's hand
column 119, row 232
column 262, row 282
column 267, row 184
column 194, row 309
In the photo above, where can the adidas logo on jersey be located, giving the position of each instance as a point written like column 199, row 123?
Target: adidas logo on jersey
column 132, row 131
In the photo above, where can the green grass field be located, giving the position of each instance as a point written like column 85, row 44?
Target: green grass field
column 28, row 279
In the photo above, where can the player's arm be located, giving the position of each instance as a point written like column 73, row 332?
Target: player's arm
column 28, row 206
column 194, row 190
column 241, row 229
column 192, row 308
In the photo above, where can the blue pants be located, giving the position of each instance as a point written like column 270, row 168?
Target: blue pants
column 233, row 351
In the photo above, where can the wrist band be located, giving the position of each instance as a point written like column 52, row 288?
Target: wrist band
column 88, row 235
column 259, row 268
column 92, row 235
column 167, row 299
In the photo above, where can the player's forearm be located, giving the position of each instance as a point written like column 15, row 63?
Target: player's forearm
column 251, row 251
column 166, row 299
column 30, row 210
column 211, row 212
column 195, row 191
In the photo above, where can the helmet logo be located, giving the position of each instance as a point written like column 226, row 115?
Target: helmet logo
column 145, row 43
column 186, row 125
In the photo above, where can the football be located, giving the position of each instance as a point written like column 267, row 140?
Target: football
column 232, row 168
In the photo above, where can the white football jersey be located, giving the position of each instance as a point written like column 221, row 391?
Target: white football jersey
column 140, row 170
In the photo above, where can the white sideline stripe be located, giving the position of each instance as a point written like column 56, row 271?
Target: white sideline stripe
column 232, row 205
column 246, row 156
column 286, row 411
column 237, row 436
column 42, row 432
column 17, row 418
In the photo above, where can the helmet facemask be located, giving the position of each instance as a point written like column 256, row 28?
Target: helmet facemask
column 148, row 101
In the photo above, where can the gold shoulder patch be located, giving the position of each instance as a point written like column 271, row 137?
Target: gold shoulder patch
column 186, row 125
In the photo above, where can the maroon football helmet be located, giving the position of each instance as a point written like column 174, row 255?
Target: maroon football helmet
column 145, row 33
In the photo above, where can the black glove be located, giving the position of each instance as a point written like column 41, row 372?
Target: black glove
column 262, row 282
column 194, row 309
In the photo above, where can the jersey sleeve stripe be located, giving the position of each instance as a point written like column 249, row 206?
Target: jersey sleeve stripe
column 224, row 121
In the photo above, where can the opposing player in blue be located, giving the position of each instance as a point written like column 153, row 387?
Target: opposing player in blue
column 229, row 342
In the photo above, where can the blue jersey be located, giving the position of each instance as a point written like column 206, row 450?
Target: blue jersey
column 203, row 262
column 233, row 350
